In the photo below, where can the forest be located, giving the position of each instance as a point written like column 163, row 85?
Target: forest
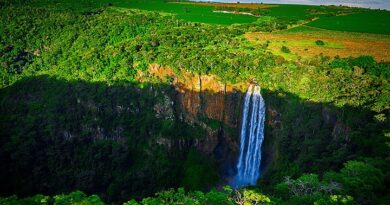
column 137, row 102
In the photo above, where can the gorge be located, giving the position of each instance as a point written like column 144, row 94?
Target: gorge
column 148, row 102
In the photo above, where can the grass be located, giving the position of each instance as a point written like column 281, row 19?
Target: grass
column 368, row 21
column 308, row 43
column 231, row 5
column 302, row 12
column 354, row 20
column 296, row 12
column 302, row 42
column 190, row 12
column 288, row 56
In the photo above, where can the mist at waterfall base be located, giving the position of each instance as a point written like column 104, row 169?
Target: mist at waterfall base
column 251, row 139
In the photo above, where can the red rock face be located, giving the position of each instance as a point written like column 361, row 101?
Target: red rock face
column 203, row 95
column 189, row 104
column 206, row 96
column 196, row 104
column 216, row 107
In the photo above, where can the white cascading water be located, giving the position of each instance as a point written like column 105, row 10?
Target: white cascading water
column 251, row 136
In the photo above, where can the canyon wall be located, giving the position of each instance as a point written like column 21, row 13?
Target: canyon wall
column 291, row 123
column 156, row 123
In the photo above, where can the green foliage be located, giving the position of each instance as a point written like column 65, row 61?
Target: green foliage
column 218, row 198
column 198, row 172
column 76, row 115
column 285, row 49
column 105, row 157
column 213, row 197
column 336, row 200
column 320, row 43
column 179, row 196
column 340, row 63
column 253, row 197
column 74, row 198
column 359, row 179
column 306, row 189
column 77, row 198
column 367, row 63
column 34, row 200
column 363, row 62
column 356, row 182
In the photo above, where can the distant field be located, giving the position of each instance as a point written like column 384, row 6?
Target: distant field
column 191, row 12
column 232, row 5
column 296, row 12
column 302, row 42
column 366, row 22
column 328, row 17
column 332, row 18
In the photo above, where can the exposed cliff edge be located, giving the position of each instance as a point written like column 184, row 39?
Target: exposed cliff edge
column 215, row 106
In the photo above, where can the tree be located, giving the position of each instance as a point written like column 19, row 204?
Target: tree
column 361, row 180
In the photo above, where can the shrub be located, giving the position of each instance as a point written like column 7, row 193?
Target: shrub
column 340, row 63
column 320, row 43
column 361, row 179
column 198, row 172
column 74, row 198
column 365, row 62
column 284, row 49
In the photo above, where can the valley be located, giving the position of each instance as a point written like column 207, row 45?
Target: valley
column 178, row 102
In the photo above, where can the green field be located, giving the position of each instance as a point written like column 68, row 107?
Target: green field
column 332, row 18
column 355, row 20
column 296, row 12
column 192, row 13
column 369, row 21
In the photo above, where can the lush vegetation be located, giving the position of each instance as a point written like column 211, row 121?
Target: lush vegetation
column 77, row 198
column 113, row 150
column 357, row 178
column 80, row 110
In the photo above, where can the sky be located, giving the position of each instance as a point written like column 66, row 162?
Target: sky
column 377, row 4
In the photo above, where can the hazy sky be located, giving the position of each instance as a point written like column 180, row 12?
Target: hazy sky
column 381, row 4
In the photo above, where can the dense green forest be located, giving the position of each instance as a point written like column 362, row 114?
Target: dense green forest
column 84, row 121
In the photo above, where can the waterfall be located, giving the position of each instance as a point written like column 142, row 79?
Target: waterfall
column 251, row 137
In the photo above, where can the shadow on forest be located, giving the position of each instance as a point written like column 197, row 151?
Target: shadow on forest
column 123, row 141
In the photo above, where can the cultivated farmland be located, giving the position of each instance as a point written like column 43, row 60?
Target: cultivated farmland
column 302, row 42
column 365, row 21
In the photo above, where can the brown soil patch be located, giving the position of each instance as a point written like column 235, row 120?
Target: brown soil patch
column 353, row 44
column 232, row 5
